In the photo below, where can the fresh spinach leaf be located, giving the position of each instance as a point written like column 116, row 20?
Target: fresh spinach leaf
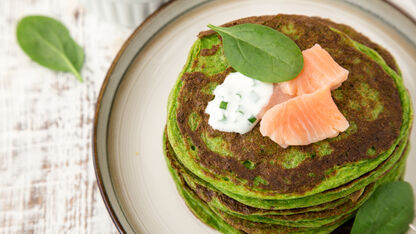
column 388, row 210
column 47, row 42
column 261, row 52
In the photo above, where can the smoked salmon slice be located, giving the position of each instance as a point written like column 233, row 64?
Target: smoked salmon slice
column 304, row 119
column 319, row 70
column 277, row 97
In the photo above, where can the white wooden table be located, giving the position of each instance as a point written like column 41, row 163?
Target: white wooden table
column 47, row 181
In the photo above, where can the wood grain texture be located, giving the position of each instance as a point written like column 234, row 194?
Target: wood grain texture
column 47, row 180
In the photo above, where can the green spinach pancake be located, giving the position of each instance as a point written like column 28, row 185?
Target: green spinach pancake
column 239, row 183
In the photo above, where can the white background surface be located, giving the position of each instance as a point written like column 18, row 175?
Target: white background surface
column 47, row 181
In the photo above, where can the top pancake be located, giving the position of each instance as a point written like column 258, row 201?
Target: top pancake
column 253, row 165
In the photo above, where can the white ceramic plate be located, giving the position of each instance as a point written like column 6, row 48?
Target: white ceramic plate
column 135, row 183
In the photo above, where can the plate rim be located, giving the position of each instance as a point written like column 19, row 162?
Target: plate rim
column 97, row 170
column 100, row 183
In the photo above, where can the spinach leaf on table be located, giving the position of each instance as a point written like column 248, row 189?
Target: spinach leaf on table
column 389, row 210
column 261, row 52
column 48, row 42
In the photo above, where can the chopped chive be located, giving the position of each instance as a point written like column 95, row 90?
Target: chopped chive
column 224, row 118
column 239, row 111
column 238, row 95
column 223, row 105
column 252, row 120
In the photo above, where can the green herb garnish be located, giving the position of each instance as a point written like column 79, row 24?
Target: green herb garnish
column 388, row 210
column 224, row 118
column 223, row 105
column 47, row 42
column 261, row 52
column 252, row 120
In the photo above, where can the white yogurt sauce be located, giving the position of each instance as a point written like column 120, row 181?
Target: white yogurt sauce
column 238, row 101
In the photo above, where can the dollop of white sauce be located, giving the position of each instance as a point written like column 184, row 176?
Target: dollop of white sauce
column 237, row 103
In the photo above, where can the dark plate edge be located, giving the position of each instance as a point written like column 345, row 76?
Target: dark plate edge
column 98, row 176
column 399, row 9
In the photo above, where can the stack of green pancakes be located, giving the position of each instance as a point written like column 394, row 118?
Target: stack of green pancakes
column 246, row 183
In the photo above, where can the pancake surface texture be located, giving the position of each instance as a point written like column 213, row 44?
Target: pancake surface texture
column 240, row 183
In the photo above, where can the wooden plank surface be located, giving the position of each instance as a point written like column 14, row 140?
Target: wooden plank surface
column 47, row 181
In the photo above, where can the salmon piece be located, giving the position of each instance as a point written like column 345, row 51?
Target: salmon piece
column 319, row 70
column 304, row 119
column 277, row 97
